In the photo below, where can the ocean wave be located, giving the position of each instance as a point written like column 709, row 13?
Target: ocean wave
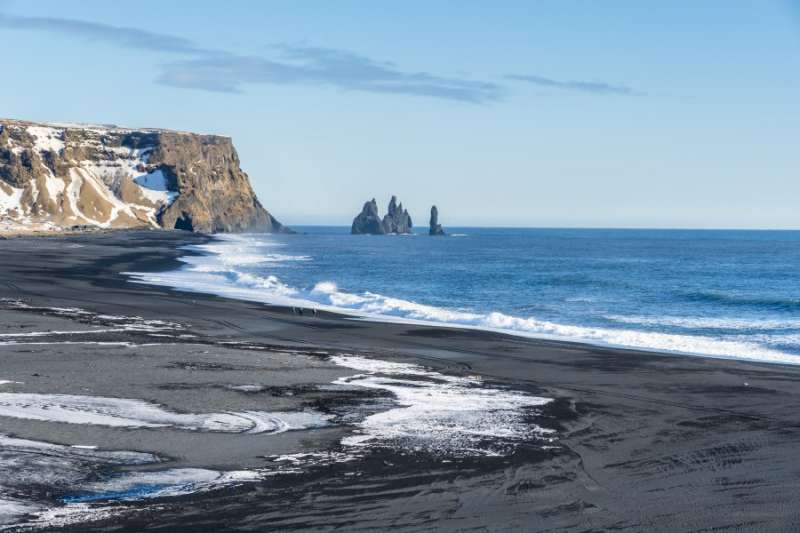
column 237, row 250
column 218, row 274
column 326, row 295
column 719, row 323
column 741, row 300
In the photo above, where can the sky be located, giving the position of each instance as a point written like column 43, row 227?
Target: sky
column 502, row 113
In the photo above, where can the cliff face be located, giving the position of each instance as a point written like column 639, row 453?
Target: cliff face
column 59, row 176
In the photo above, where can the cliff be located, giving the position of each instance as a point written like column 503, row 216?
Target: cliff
column 55, row 176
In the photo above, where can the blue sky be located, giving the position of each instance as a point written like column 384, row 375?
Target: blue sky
column 511, row 113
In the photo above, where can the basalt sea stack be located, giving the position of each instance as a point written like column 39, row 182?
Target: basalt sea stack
column 435, row 228
column 368, row 221
column 397, row 220
column 55, row 176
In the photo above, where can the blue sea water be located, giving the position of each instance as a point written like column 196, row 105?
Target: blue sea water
column 720, row 293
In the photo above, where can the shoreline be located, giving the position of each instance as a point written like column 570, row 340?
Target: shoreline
column 303, row 303
column 661, row 442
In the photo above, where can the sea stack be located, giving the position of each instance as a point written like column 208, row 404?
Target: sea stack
column 368, row 222
column 436, row 228
column 397, row 220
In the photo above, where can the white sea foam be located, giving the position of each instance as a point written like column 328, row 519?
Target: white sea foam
column 41, row 449
column 27, row 463
column 121, row 322
column 441, row 414
column 163, row 483
column 722, row 323
column 217, row 273
column 58, row 333
column 12, row 509
column 124, row 412
column 237, row 250
column 52, row 343
column 430, row 411
column 326, row 296
column 44, row 518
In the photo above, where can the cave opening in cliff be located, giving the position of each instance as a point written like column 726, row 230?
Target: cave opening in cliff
column 184, row 222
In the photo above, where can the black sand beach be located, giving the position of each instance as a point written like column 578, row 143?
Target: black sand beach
column 641, row 441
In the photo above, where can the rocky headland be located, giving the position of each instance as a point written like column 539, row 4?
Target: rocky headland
column 55, row 177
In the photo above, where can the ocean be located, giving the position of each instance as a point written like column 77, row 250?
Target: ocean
column 730, row 294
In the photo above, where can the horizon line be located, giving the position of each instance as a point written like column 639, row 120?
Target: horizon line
column 618, row 228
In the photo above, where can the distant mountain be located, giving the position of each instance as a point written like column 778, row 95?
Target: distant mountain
column 55, row 176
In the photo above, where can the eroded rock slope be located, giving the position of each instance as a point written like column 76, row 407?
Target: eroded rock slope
column 56, row 176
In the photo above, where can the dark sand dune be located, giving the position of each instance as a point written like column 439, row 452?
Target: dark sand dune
column 642, row 441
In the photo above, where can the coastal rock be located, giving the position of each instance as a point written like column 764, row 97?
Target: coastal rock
column 435, row 228
column 368, row 222
column 56, row 176
column 397, row 220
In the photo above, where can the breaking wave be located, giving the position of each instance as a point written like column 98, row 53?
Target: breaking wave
column 219, row 271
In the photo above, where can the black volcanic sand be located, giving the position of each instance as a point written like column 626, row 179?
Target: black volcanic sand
column 645, row 442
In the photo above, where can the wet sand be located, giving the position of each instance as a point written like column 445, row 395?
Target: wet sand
column 642, row 441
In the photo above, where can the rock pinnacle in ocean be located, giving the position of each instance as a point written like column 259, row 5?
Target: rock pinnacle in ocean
column 436, row 228
column 397, row 220
column 368, row 222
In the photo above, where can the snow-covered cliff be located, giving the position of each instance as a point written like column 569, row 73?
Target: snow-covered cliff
column 55, row 176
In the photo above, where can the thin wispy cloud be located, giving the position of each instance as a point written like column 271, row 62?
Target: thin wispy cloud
column 115, row 35
column 220, row 71
column 209, row 69
column 305, row 65
column 596, row 87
